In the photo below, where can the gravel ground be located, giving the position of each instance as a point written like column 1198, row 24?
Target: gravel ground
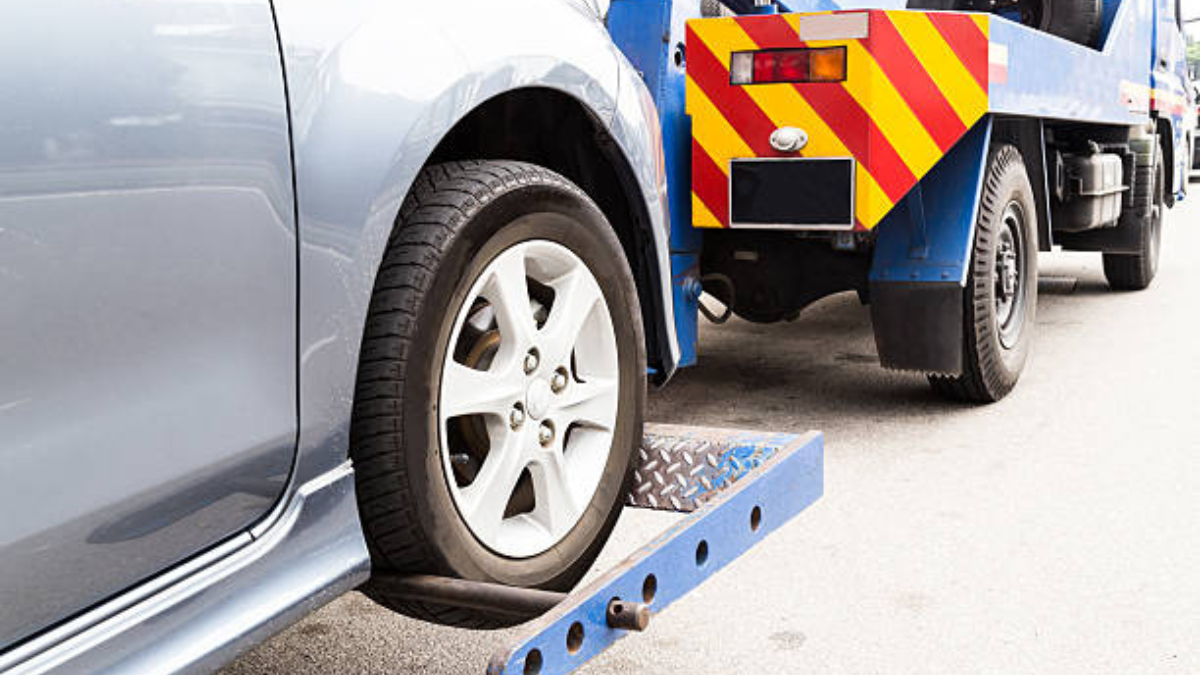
column 1056, row 532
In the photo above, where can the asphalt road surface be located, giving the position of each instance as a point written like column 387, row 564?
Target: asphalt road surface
column 1055, row 532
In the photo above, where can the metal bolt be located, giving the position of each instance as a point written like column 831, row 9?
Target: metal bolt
column 558, row 383
column 516, row 418
column 546, row 433
column 633, row 616
column 532, row 360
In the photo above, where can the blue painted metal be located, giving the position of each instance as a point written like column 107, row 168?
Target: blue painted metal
column 682, row 468
column 686, row 289
column 1052, row 78
column 928, row 236
column 1169, row 77
column 651, row 35
column 783, row 486
column 1109, row 14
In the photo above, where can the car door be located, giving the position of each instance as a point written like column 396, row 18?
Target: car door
column 147, row 292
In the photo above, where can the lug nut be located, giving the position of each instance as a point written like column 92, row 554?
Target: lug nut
column 558, row 383
column 532, row 360
column 546, row 434
column 516, row 418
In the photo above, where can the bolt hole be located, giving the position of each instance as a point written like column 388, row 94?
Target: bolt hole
column 533, row 662
column 546, row 433
column 558, row 384
column 701, row 553
column 680, row 55
column 533, row 360
column 575, row 638
column 755, row 519
column 649, row 588
column 617, row 605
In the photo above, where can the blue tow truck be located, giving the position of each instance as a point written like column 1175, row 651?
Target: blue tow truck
column 920, row 153
column 285, row 270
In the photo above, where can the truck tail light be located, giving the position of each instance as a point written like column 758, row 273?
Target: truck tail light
column 825, row 64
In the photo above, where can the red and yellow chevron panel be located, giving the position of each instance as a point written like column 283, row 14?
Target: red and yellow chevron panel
column 915, row 85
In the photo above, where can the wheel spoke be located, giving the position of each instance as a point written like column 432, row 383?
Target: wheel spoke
column 556, row 505
column 467, row 391
column 589, row 403
column 485, row 499
column 538, row 369
column 508, row 292
column 576, row 295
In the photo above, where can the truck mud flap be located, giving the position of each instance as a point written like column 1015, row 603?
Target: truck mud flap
column 919, row 326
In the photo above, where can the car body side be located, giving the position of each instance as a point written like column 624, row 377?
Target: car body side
column 372, row 98
column 374, row 88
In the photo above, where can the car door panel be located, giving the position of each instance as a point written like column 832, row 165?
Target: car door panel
column 147, row 292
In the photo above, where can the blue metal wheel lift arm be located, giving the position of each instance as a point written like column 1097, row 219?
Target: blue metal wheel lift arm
column 735, row 487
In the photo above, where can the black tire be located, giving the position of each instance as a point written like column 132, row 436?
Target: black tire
column 1136, row 272
column 457, row 218
column 998, row 334
column 1075, row 20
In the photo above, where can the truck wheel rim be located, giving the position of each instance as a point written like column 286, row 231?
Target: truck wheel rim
column 1010, row 277
column 527, row 421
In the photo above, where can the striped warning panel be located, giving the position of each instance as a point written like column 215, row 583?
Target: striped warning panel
column 916, row 83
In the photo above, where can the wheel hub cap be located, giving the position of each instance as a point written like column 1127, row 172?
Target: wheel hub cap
column 1007, row 265
column 1009, row 280
column 537, row 399
column 521, row 487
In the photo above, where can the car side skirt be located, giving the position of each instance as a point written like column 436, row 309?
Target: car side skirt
column 208, row 611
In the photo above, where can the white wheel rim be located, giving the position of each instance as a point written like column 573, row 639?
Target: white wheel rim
column 545, row 434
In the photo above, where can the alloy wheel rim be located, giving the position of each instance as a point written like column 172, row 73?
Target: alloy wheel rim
column 528, row 398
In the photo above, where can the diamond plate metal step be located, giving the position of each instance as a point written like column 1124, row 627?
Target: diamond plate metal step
column 681, row 468
column 735, row 486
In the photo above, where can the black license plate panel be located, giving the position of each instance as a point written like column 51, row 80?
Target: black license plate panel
column 792, row 193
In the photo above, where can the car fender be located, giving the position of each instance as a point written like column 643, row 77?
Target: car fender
column 373, row 88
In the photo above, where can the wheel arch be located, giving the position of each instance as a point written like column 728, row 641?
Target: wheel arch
column 550, row 128
column 373, row 89
column 1028, row 135
column 1167, row 145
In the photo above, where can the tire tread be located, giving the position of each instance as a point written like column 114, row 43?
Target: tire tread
column 443, row 198
column 983, row 379
column 1125, row 272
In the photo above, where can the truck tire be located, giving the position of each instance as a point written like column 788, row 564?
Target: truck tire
column 1137, row 271
column 501, row 386
column 1075, row 20
column 1000, row 299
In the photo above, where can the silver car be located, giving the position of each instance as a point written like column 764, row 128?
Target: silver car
column 301, row 295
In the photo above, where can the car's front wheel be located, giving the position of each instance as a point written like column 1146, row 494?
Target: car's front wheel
column 501, row 385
